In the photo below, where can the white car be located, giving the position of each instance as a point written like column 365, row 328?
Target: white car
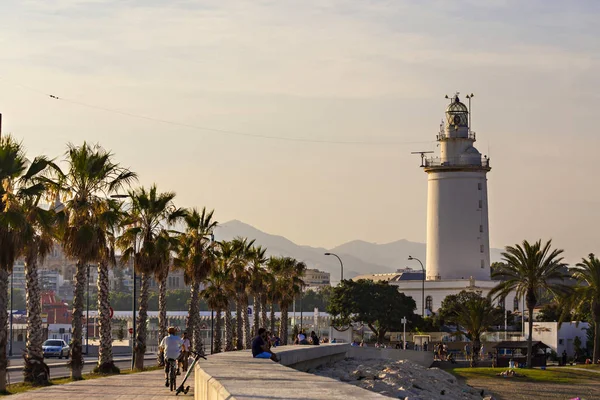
column 55, row 348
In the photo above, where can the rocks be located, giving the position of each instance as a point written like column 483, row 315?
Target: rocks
column 399, row 379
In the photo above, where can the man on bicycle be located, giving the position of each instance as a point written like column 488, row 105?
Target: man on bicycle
column 171, row 346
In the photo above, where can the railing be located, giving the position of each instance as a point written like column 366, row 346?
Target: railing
column 444, row 136
column 457, row 162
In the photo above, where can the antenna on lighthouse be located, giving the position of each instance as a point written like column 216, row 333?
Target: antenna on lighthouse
column 422, row 153
column 470, row 96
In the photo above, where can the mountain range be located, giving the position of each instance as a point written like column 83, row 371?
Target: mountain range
column 359, row 257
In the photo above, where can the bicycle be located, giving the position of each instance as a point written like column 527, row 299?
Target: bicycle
column 172, row 373
column 181, row 388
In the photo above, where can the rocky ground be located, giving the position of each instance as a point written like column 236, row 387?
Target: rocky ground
column 399, row 379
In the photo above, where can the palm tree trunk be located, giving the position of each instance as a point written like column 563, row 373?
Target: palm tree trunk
column 3, row 328
column 247, row 337
column 197, row 334
column 263, row 312
column 140, row 345
column 272, row 321
column 228, row 330
column 76, row 362
column 256, row 315
column 105, row 356
column 162, row 314
column 530, row 338
column 475, row 352
column 217, row 332
column 283, row 328
column 596, row 354
column 239, row 323
column 192, row 316
column 35, row 370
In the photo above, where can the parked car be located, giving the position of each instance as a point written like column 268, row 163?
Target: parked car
column 55, row 348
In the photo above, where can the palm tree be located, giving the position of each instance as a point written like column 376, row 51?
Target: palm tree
column 109, row 218
column 165, row 244
column 241, row 282
column 226, row 259
column 151, row 212
column 529, row 269
column 25, row 230
column 258, row 283
column 197, row 258
column 91, row 177
column 216, row 295
column 585, row 297
column 288, row 273
column 473, row 318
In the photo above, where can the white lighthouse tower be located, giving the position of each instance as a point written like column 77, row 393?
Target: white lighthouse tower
column 457, row 205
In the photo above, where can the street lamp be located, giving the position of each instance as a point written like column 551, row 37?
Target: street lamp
column 341, row 264
column 124, row 196
column 410, row 258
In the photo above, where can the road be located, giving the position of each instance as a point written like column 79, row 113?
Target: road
column 58, row 368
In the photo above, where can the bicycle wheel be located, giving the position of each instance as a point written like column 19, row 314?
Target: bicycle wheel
column 172, row 376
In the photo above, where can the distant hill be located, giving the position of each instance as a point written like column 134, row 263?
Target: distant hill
column 359, row 257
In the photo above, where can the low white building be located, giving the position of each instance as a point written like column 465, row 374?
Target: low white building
column 559, row 338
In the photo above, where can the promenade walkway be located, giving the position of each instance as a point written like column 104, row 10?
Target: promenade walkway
column 144, row 385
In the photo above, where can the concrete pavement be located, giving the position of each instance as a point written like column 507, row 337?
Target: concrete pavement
column 144, row 385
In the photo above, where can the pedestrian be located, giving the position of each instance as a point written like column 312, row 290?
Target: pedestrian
column 467, row 351
column 564, row 357
column 182, row 362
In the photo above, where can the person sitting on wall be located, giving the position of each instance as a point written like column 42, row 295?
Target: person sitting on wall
column 260, row 348
column 333, row 340
column 302, row 338
column 314, row 338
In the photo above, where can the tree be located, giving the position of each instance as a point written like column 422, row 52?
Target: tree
column 257, row 286
column 551, row 313
column 585, row 297
column 530, row 268
column 150, row 215
column 288, row 274
column 91, row 177
column 216, row 294
column 452, row 303
column 26, row 230
column 109, row 217
column 197, row 258
column 241, row 283
column 473, row 315
column 378, row 304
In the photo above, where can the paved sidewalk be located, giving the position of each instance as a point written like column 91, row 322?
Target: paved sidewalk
column 144, row 385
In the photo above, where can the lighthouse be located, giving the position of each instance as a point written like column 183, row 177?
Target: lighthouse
column 457, row 202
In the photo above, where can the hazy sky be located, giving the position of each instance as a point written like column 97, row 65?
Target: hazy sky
column 367, row 71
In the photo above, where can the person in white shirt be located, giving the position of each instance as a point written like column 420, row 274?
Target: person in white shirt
column 171, row 347
column 185, row 354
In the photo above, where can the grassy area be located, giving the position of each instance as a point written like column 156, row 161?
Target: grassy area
column 585, row 366
column 25, row 387
column 558, row 375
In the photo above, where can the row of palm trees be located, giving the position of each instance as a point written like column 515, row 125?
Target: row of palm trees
column 94, row 224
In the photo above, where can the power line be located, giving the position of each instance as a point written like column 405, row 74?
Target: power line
column 203, row 128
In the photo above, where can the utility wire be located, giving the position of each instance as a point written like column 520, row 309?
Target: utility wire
column 222, row 131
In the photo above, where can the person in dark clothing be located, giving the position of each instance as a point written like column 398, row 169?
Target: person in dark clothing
column 564, row 357
column 315, row 339
column 260, row 348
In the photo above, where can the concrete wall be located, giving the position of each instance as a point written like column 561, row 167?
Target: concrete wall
column 237, row 376
column 559, row 339
column 424, row 358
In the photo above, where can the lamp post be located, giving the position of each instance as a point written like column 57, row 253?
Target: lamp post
column 410, row 258
column 470, row 96
column 10, row 346
column 341, row 264
column 133, row 303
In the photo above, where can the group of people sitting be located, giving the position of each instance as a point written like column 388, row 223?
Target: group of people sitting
column 302, row 339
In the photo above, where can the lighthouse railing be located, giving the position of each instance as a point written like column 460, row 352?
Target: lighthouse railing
column 456, row 161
